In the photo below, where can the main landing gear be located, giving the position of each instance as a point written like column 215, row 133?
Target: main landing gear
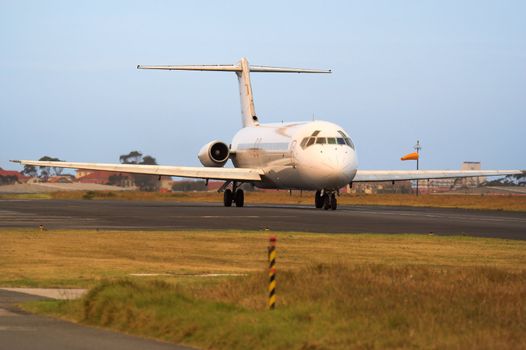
column 325, row 199
column 233, row 195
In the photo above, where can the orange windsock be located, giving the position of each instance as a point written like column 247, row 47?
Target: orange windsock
column 410, row 156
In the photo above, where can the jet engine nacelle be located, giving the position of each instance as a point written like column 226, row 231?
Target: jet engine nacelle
column 214, row 154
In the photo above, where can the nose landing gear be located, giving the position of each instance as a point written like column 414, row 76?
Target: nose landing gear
column 318, row 200
column 233, row 195
column 325, row 199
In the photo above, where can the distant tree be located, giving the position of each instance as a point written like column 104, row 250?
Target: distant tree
column 148, row 183
column 148, row 160
column 134, row 157
column 508, row 180
column 30, row 170
column 519, row 179
column 46, row 172
column 117, row 180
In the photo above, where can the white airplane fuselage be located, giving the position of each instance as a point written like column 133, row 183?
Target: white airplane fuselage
column 305, row 155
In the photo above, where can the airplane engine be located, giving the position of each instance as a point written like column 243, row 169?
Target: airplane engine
column 214, row 154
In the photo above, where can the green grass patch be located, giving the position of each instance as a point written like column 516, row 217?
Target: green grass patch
column 323, row 306
column 26, row 196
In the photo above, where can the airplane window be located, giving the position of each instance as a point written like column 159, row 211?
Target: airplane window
column 341, row 141
column 321, row 140
column 304, row 142
column 311, row 141
column 316, row 133
column 349, row 142
column 331, row 140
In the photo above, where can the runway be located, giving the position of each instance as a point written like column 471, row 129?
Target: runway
column 21, row 330
column 149, row 215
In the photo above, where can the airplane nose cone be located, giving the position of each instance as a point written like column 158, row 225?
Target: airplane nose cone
column 327, row 167
column 339, row 167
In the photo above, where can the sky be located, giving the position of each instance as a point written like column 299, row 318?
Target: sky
column 451, row 74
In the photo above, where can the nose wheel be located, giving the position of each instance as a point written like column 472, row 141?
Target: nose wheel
column 326, row 200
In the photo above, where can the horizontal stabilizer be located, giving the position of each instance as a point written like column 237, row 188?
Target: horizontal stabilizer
column 236, row 68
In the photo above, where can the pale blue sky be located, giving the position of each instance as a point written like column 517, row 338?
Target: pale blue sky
column 450, row 73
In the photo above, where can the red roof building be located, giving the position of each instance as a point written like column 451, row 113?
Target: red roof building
column 6, row 176
column 105, row 178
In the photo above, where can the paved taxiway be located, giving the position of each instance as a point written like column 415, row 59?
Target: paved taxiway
column 20, row 330
column 171, row 215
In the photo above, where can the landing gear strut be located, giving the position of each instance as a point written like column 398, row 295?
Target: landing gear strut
column 318, row 200
column 326, row 200
column 234, row 195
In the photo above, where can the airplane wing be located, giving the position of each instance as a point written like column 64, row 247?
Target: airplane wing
column 237, row 174
column 398, row 175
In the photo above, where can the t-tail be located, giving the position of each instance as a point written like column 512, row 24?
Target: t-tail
column 242, row 70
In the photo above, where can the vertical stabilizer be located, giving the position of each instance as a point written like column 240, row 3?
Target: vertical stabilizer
column 242, row 70
column 248, row 111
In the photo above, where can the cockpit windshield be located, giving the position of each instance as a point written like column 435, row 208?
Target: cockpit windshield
column 341, row 140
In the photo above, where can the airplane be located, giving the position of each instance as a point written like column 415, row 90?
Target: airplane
column 314, row 155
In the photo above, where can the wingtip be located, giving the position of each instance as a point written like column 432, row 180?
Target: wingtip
column 15, row 161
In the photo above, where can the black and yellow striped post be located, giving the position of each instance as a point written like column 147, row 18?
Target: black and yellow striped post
column 272, row 273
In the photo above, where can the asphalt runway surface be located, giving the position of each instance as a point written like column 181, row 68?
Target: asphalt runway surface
column 20, row 330
column 150, row 215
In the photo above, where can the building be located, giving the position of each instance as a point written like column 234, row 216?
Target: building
column 9, row 177
column 104, row 178
column 378, row 187
column 472, row 181
column 445, row 185
column 62, row 179
column 82, row 172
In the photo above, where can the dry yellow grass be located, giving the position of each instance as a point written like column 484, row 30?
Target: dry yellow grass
column 489, row 202
column 81, row 258
column 485, row 202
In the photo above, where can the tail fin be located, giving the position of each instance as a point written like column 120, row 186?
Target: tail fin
column 242, row 70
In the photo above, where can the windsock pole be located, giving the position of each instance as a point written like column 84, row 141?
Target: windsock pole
column 417, row 147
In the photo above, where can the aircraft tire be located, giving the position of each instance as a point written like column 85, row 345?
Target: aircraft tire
column 227, row 198
column 239, row 198
column 334, row 202
column 318, row 200
column 326, row 202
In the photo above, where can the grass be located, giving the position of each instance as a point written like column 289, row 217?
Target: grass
column 26, row 196
column 334, row 291
column 326, row 306
column 485, row 202
column 84, row 257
